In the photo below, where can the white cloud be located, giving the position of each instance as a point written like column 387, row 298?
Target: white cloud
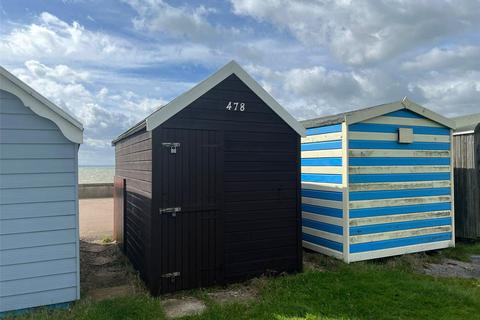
column 53, row 40
column 104, row 114
column 319, row 58
column 462, row 57
column 157, row 15
column 359, row 32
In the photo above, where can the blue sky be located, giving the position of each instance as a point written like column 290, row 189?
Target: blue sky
column 111, row 64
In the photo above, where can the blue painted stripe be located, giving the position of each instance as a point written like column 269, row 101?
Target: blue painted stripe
column 327, row 178
column 398, row 177
column 381, row 144
column 397, row 161
column 401, row 242
column 333, row 161
column 331, row 228
column 321, row 194
column 324, row 211
column 337, row 246
column 404, row 113
column 391, row 194
column 385, row 211
column 393, row 128
column 324, row 129
column 404, row 225
column 325, row 145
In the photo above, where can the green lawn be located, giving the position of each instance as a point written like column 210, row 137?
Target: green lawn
column 382, row 289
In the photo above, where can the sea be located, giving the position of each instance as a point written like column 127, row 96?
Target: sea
column 96, row 174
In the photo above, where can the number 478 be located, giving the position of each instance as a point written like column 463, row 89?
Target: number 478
column 235, row 106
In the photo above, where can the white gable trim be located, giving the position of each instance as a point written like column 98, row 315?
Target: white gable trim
column 365, row 114
column 71, row 128
column 182, row 101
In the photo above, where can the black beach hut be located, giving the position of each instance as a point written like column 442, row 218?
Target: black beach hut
column 207, row 188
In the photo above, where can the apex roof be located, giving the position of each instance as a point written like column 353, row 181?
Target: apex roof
column 179, row 103
column 71, row 128
column 355, row 116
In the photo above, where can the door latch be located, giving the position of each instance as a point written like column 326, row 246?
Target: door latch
column 172, row 145
column 171, row 275
column 173, row 210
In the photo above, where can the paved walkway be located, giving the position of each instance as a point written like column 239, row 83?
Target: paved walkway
column 96, row 218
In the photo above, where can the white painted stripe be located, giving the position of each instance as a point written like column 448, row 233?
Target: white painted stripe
column 403, row 121
column 323, row 234
column 360, row 204
column 398, row 153
column 321, row 153
column 356, row 135
column 399, row 185
column 322, row 202
column 345, row 196
column 322, row 186
column 323, row 250
column 397, row 169
column 322, row 137
column 452, row 192
column 398, row 218
column 398, row 234
column 399, row 251
column 322, row 169
column 322, row 218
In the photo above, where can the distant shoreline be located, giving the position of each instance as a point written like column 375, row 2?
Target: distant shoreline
column 95, row 174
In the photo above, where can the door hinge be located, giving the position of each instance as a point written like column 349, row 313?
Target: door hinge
column 173, row 210
column 172, row 275
column 172, row 145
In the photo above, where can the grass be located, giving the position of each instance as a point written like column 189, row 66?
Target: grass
column 462, row 251
column 328, row 289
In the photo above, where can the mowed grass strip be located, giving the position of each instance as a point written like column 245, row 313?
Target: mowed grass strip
column 359, row 291
column 381, row 289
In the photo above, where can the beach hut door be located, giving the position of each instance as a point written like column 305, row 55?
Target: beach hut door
column 189, row 214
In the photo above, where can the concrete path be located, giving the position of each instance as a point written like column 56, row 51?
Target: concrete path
column 96, row 218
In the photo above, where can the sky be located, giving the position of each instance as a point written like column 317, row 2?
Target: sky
column 111, row 63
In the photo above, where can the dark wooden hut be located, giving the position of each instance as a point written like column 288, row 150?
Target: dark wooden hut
column 207, row 188
column 466, row 161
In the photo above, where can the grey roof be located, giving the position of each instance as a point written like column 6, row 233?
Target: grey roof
column 371, row 112
column 466, row 123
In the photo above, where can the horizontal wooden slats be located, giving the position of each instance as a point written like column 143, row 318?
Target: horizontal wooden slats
column 36, row 180
column 44, row 238
column 43, row 209
column 399, row 185
column 37, row 151
column 398, row 218
column 37, row 269
column 356, row 135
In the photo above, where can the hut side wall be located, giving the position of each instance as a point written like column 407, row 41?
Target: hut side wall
column 261, row 178
column 133, row 162
column 467, row 184
column 323, row 190
column 39, row 262
column 400, row 195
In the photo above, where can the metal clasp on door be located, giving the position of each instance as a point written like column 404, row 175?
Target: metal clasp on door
column 173, row 210
column 172, row 145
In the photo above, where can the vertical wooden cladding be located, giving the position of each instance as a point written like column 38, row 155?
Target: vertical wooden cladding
column 133, row 162
column 256, row 209
column 466, row 160
column 188, row 242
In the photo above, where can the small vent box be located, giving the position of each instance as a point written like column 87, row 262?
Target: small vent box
column 405, row 135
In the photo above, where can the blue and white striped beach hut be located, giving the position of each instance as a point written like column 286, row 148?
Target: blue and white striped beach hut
column 377, row 182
